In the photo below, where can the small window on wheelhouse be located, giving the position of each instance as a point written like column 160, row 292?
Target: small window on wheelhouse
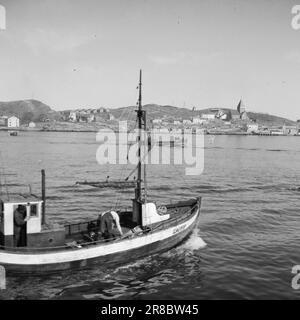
column 33, row 210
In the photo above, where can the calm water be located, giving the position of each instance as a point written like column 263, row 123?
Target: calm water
column 250, row 218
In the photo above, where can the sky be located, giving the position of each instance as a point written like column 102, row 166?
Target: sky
column 193, row 53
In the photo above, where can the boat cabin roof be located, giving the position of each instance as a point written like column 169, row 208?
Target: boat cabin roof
column 21, row 199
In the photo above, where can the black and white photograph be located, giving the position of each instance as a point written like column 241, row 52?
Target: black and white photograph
column 149, row 151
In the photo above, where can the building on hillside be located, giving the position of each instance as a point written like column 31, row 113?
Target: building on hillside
column 3, row 120
column 209, row 115
column 177, row 122
column 197, row 120
column 101, row 110
column 253, row 127
column 87, row 118
column 103, row 116
column 31, row 125
column 290, row 130
column 111, row 117
column 73, row 116
column 156, row 121
column 65, row 115
column 223, row 115
column 276, row 132
column 187, row 122
column 12, row 122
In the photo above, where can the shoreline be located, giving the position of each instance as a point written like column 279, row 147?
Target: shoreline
column 38, row 130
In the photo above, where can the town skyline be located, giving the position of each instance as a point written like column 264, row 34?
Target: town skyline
column 193, row 54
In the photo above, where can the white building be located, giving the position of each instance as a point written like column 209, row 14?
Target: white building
column 197, row 120
column 73, row 116
column 208, row 116
column 276, row 132
column 177, row 122
column 187, row 122
column 12, row 122
column 31, row 124
column 156, row 121
column 252, row 127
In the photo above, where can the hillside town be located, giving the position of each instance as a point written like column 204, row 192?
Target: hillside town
column 227, row 121
column 210, row 121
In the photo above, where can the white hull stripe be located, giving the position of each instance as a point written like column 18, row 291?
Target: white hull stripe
column 93, row 252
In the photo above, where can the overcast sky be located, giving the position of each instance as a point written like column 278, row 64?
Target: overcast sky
column 203, row 53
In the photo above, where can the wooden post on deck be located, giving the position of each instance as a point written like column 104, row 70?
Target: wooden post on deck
column 43, row 197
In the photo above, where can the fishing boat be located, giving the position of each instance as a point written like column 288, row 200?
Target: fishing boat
column 13, row 133
column 147, row 229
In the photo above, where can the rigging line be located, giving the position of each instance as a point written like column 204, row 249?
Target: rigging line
column 120, row 195
column 125, row 110
column 127, row 154
column 3, row 173
column 130, row 114
column 146, row 153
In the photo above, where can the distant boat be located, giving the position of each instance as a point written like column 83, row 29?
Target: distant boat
column 13, row 133
column 114, row 184
column 147, row 229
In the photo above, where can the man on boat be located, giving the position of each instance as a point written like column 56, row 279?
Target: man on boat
column 20, row 226
column 109, row 220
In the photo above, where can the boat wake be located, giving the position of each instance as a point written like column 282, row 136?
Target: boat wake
column 194, row 242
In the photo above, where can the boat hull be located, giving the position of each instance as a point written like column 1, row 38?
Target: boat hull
column 117, row 253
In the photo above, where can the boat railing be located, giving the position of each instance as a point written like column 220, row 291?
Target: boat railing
column 163, row 225
column 79, row 227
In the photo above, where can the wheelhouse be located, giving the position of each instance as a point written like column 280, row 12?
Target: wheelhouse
column 35, row 233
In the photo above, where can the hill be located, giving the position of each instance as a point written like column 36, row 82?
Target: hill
column 155, row 111
column 34, row 110
column 28, row 110
column 269, row 119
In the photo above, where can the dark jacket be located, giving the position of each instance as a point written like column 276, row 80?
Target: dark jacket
column 18, row 221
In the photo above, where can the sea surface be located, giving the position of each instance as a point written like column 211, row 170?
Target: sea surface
column 248, row 238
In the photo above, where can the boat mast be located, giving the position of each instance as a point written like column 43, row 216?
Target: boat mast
column 140, row 124
column 140, row 198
